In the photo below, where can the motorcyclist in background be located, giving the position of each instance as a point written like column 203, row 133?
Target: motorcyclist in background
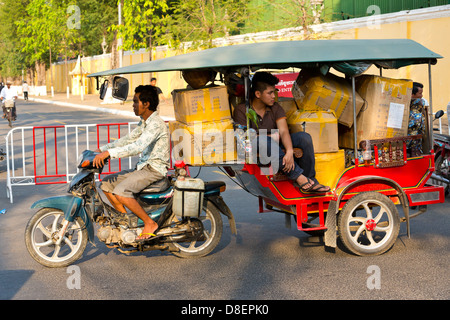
column 9, row 93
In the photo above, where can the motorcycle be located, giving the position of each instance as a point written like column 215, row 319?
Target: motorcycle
column 57, row 234
column 442, row 156
column 9, row 105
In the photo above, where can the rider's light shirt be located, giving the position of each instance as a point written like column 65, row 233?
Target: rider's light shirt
column 8, row 94
column 151, row 138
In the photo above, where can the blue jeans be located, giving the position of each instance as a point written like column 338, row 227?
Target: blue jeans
column 305, row 165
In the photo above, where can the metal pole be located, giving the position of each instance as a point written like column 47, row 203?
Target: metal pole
column 355, row 140
column 430, row 115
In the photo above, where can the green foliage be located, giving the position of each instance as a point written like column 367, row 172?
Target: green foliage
column 200, row 21
column 142, row 23
column 97, row 16
column 41, row 31
column 251, row 115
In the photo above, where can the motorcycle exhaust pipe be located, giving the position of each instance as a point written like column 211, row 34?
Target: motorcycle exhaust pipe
column 439, row 178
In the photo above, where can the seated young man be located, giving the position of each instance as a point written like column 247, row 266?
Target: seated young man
column 272, row 116
column 151, row 138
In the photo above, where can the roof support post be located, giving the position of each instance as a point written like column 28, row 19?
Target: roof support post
column 355, row 140
column 430, row 114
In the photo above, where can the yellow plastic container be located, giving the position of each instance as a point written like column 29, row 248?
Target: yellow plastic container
column 329, row 167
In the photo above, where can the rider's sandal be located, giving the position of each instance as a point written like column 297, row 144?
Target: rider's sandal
column 145, row 236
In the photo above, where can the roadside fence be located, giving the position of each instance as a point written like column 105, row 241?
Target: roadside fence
column 48, row 154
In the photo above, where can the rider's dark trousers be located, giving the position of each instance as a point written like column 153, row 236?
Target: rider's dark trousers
column 305, row 165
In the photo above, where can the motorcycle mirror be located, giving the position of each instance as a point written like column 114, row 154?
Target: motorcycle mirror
column 103, row 89
column 120, row 88
column 438, row 114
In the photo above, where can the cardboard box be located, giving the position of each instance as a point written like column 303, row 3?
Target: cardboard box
column 289, row 106
column 329, row 167
column 386, row 113
column 321, row 125
column 315, row 91
column 203, row 143
column 208, row 104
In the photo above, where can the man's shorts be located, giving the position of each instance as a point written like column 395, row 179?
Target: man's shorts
column 127, row 183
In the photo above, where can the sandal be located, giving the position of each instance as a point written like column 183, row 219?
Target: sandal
column 302, row 186
column 315, row 188
column 145, row 236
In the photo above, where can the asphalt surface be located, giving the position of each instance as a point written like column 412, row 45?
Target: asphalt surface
column 264, row 262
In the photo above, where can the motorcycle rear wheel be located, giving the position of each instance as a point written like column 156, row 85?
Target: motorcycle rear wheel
column 210, row 237
column 42, row 248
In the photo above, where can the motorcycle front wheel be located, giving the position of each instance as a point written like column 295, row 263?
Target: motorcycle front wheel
column 40, row 239
column 9, row 116
column 212, row 226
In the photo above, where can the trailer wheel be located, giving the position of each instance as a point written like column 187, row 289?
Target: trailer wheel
column 369, row 224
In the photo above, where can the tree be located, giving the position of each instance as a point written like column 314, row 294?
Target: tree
column 12, row 59
column 44, row 32
column 200, row 21
column 97, row 16
column 142, row 22
column 298, row 13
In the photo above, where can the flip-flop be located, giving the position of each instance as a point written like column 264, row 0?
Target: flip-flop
column 316, row 186
column 309, row 181
column 145, row 236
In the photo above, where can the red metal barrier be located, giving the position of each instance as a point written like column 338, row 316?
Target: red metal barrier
column 51, row 150
column 47, row 178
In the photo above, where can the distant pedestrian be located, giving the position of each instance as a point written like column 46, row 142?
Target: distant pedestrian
column 25, row 90
column 158, row 90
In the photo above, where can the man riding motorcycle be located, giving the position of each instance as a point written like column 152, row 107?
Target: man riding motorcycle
column 151, row 138
column 9, row 94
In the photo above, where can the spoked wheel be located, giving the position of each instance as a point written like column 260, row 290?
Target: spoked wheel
column 369, row 224
column 441, row 164
column 41, row 243
column 211, row 227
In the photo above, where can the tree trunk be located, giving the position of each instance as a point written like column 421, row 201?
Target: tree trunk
column 114, row 53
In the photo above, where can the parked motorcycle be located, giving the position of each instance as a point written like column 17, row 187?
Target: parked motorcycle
column 442, row 156
column 188, row 216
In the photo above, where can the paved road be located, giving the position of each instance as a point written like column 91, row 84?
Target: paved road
column 264, row 261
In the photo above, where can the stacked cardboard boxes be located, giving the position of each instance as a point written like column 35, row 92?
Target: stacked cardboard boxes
column 203, row 131
column 326, row 93
column 386, row 112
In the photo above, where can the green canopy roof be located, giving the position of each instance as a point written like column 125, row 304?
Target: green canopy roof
column 390, row 53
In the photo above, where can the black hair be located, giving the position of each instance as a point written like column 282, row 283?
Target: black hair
column 416, row 86
column 149, row 94
column 152, row 79
column 261, row 80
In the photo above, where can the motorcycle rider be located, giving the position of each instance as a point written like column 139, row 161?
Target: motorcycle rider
column 151, row 139
column 9, row 93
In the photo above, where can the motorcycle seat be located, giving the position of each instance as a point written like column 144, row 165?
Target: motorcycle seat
column 211, row 185
column 442, row 137
column 158, row 186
